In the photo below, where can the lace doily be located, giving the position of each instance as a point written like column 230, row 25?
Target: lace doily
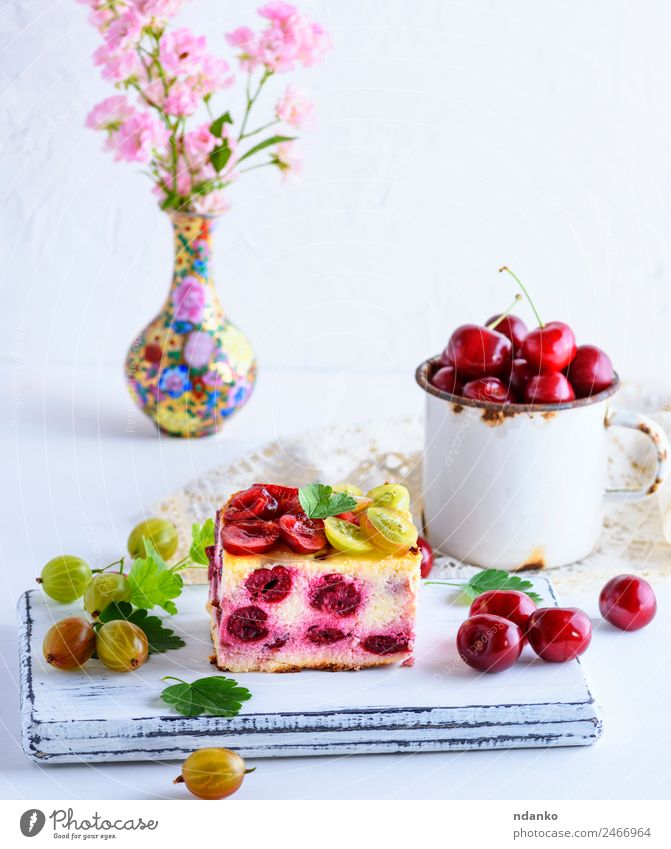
column 632, row 539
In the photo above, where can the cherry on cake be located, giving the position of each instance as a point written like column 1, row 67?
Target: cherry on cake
column 317, row 578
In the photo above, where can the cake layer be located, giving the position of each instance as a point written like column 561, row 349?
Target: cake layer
column 301, row 611
column 286, row 611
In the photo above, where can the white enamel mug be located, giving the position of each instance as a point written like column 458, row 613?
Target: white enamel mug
column 519, row 487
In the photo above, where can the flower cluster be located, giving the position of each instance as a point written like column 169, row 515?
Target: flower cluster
column 172, row 76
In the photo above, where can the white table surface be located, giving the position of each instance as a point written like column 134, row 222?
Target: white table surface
column 78, row 472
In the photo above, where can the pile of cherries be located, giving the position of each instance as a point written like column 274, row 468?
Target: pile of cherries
column 501, row 621
column 264, row 515
column 504, row 363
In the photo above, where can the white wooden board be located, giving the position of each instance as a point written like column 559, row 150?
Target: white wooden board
column 438, row 704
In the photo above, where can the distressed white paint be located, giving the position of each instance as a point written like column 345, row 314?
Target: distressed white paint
column 438, row 704
column 524, row 488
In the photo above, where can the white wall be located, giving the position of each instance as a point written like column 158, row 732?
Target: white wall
column 453, row 137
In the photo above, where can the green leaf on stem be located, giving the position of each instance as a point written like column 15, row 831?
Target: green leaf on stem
column 220, row 156
column 266, row 143
column 152, row 583
column 217, row 126
column 201, row 537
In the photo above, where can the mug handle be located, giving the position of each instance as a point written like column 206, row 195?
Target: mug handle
column 636, row 421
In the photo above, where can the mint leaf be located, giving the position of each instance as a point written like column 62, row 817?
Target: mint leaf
column 151, row 583
column 264, row 144
column 159, row 637
column 214, row 695
column 201, row 537
column 319, row 501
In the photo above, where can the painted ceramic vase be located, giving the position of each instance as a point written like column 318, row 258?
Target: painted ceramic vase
column 190, row 369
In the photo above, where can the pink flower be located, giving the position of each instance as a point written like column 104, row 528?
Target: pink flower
column 124, row 31
column 214, row 203
column 212, row 75
column 138, row 137
column 182, row 100
column 158, row 10
column 109, row 113
column 294, row 107
column 198, row 349
column 189, row 300
column 198, row 143
column 286, row 161
column 245, row 39
column 117, row 65
column 182, row 51
column 289, row 38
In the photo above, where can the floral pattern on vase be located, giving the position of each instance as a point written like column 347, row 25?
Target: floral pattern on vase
column 191, row 368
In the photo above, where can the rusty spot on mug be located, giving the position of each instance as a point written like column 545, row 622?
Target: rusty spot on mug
column 549, row 414
column 648, row 431
column 535, row 560
column 655, row 485
column 457, row 408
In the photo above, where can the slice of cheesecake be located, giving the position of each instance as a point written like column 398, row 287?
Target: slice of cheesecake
column 299, row 602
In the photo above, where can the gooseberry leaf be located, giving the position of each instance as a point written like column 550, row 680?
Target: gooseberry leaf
column 320, row 501
column 497, row 579
column 152, row 584
column 202, row 536
column 215, row 695
column 159, row 638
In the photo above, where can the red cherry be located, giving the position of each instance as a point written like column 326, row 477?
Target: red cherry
column 445, row 379
column 590, row 372
column 269, row 585
column 386, row 643
column 286, row 497
column 548, row 388
column 550, row 347
column 352, row 518
column 251, row 536
column 512, row 327
column 628, row 602
column 476, row 351
column 427, row 557
column 558, row 634
column 486, row 389
column 520, row 374
column 306, row 536
column 336, row 594
column 489, row 643
column 509, row 604
column 253, row 503
column 248, row 624
column 324, row 636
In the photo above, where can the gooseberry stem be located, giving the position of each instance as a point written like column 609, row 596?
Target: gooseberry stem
column 494, row 324
column 118, row 563
column 523, row 288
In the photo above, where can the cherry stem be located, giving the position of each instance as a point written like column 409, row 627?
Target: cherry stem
column 528, row 296
column 494, row 324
